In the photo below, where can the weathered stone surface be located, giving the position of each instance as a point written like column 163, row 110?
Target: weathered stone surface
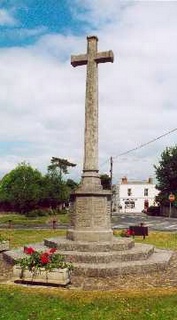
column 116, row 244
column 91, row 59
column 56, row 276
column 5, row 269
column 91, row 218
column 138, row 252
column 159, row 260
column 4, row 245
column 105, row 259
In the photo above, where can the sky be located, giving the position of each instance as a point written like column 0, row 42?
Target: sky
column 42, row 97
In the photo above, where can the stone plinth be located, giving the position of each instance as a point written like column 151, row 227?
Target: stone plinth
column 91, row 216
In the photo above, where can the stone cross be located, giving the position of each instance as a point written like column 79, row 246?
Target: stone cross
column 91, row 59
column 91, row 214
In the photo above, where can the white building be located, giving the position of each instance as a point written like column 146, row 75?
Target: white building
column 134, row 196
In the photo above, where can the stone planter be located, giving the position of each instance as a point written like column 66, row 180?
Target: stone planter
column 56, row 276
column 4, row 245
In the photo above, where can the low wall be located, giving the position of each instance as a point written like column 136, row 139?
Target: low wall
column 5, row 269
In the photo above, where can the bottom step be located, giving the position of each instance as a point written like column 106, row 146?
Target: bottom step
column 159, row 260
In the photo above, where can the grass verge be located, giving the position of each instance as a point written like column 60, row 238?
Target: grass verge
column 19, row 219
column 54, row 304
column 19, row 238
column 160, row 239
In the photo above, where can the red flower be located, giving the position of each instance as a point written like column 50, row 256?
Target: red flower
column 29, row 250
column 129, row 232
column 44, row 258
column 52, row 250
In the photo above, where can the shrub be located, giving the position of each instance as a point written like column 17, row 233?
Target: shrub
column 37, row 213
column 153, row 211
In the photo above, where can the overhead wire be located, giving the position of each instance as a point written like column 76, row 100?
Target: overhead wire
column 142, row 145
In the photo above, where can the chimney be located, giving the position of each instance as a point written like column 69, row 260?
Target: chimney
column 150, row 180
column 124, row 180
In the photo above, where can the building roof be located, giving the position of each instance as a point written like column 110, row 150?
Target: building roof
column 126, row 181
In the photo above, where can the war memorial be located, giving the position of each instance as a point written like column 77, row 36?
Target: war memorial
column 90, row 243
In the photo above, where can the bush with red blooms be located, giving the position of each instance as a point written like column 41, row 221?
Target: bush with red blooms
column 42, row 260
column 127, row 233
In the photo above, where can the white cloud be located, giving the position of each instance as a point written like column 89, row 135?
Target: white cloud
column 42, row 95
column 6, row 18
column 98, row 13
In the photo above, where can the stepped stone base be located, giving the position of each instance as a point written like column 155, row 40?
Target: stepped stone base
column 158, row 261
column 121, row 256
column 117, row 244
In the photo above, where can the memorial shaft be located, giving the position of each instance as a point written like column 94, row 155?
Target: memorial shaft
column 91, row 214
column 92, row 58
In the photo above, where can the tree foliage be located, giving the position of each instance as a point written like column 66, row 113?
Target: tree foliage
column 56, row 190
column 61, row 165
column 105, row 181
column 166, row 174
column 25, row 189
column 21, row 187
column 72, row 185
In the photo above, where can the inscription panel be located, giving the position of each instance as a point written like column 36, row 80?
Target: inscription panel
column 82, row 215
column 100, row 212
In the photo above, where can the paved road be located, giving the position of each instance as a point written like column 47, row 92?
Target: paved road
column 121, row 221
column 124, row 220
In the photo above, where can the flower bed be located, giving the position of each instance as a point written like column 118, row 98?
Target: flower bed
column 45, row 267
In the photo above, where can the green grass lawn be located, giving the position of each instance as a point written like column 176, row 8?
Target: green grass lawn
column 24, row 303
column 19, row 238
column 160, row 239
column 19, row 219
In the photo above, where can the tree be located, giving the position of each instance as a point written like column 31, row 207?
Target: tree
column 61, row 165
column 56, row 190
column 105, row 181
column 166, row 174
column 71, row 184
column 21, row 188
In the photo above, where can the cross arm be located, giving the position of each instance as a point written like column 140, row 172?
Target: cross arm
column 106, row 56
column 79, row 60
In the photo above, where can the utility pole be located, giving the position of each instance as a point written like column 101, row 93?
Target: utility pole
column 111, row 170
column 111, row 167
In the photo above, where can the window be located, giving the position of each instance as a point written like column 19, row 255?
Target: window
column 145, row 192
column 129, row 204
column 129, row 192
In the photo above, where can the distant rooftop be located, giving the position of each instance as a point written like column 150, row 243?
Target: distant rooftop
column 126, row 181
